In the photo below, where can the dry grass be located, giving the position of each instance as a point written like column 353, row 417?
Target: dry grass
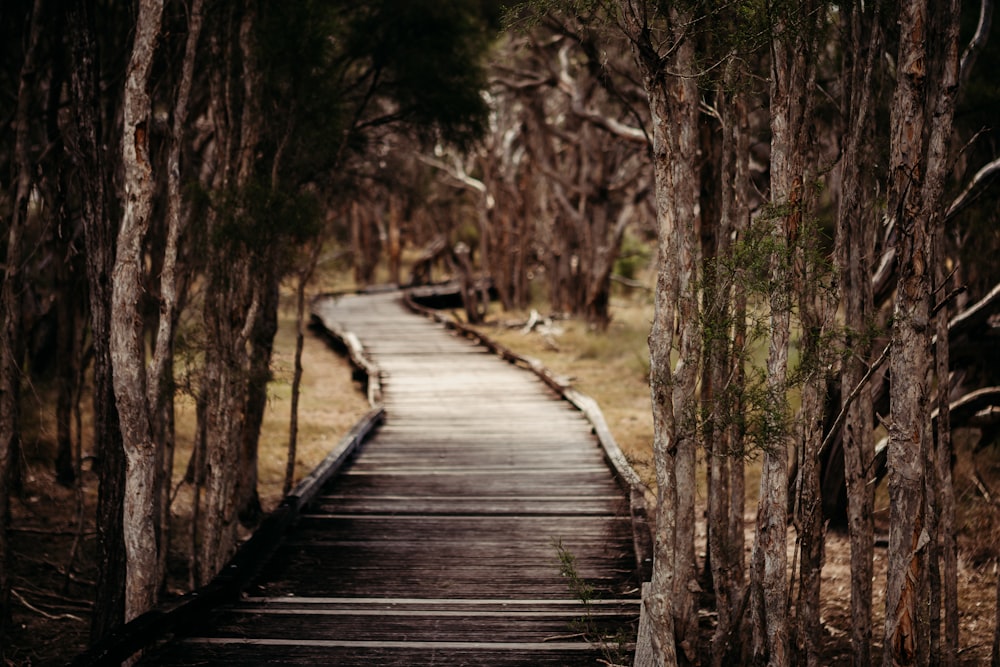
column 329, row 404
column 59, row 587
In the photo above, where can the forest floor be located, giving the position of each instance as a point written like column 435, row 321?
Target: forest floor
column 54, row 540
column 54, row 582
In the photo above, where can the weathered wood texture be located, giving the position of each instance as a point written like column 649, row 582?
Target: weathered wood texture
column 440, row 543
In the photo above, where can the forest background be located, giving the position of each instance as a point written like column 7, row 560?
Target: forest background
column 807, row 184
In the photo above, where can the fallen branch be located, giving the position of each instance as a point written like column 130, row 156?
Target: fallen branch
column 84, row 605
column 984, row 489
column 628, row 282
column 51, row 617
column 31, row 530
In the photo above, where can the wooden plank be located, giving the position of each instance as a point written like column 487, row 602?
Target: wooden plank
column 311, row 656
column 467, row 604
column 385, row 627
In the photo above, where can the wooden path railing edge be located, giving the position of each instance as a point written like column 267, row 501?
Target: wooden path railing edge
column 171, row 616
column 347, row 343
column 641, row 498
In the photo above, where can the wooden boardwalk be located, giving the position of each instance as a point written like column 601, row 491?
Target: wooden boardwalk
column 440, row 543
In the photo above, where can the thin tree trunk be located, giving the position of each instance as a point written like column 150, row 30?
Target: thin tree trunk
column 740, row 214
column 725, row 545
column 791, row 78
column 817, row 310
column 946, row 491
column 856, row 247
column 941, row 514
column 127, row 340
column 261, row 344
column 10, row 298
column 90, row 163
column 304, row 276
column 161, row 382
column 673, row 101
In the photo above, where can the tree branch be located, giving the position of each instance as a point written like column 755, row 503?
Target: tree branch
column 978, row 40
column 831, row 434
column 973, row 189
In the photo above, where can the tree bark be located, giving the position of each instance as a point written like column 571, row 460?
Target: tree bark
column 792, row 77
column 128, row 351
column 673, row 101
column 817, row 312
column 90, row 163
column 856, row 248
column 942, row 552
column 720, row 392
column 305, row 273
column 261, row 344
column 237, row 295
column 172, row 285
column 927, row 82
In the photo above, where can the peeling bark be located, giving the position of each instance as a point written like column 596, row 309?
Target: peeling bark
column 922, row 114
column 128, row 353
column 673, row 100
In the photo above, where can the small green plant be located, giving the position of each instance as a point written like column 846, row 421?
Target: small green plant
column 613, row 646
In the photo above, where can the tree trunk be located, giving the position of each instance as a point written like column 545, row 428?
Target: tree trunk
column 792, row 77
column 10, row 297
column 261, row 344
column 948, row 548
column 237, row 294
column 90, row 164
column 161, row 382
column 128, row 351
column 856, row 247
column 817, row 310
column 305, row 274
column 942, row 95
column 673, row 101
column 910, row 338
column 927, row 83
column 722, row 446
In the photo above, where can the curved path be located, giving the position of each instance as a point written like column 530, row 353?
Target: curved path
column 440, row 543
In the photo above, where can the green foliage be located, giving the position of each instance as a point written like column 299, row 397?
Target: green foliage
column 634, row 256
column 335, row 72
column 770, row 272
column 612, row 646
column 428, row 57
column 264, row 222
column 523, row 16
column 578, row 586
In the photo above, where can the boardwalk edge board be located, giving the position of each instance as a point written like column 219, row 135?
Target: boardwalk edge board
column 383, row 644
column 641, row 499
column 156, row 624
